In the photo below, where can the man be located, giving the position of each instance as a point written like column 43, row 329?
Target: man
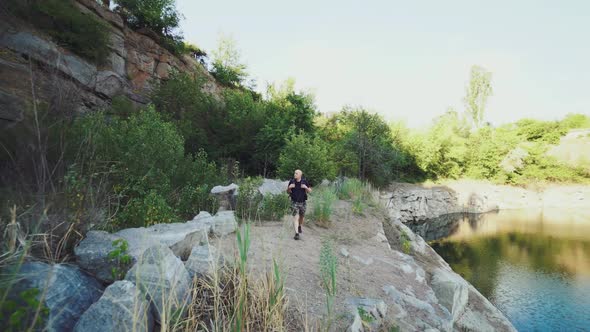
column 298, row 189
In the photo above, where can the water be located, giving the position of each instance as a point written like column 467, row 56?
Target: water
column 534, row 266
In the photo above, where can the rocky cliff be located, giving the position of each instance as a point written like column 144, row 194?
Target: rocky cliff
column 30, row 58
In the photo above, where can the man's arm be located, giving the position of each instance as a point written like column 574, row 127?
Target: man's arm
column 290, row 186
column 306, row 187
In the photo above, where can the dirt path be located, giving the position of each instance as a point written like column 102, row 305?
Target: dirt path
column 369, row 267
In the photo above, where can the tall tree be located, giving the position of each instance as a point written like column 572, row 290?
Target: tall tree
column 228, row 68
column 478, row 91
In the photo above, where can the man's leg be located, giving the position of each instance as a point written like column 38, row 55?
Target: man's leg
column 301, row 217
column 296, row 223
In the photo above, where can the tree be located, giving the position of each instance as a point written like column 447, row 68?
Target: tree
column 478, row 91
column 160, row 16
column 311, row 155
column 227, row 66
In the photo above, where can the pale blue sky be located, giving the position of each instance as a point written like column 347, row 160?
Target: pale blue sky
column 410, row 60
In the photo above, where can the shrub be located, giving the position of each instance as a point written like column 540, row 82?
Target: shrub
column 274, row 207
column 82, row 33
column 311, row 155
column 146, row 210
column 322, row 202
column 160, row 16
column 251, row 205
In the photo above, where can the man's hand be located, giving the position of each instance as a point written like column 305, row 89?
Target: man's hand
column 292, row 185
column 303, row 186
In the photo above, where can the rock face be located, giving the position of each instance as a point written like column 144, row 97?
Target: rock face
column 92, row 253
column 162, row 277
column 416, row 204
column 68, row 291
column 122, row 307
column 135, row 63
column 372, row 311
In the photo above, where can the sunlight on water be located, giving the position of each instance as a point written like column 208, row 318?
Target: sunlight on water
column 534, row 266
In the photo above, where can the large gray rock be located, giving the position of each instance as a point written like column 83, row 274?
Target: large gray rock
column 65, row 291
column 205, row 219
column 375, row 312
column 92, row 253
column 421, row 313
column 226, row 196
column 164, row 280
column 224, row 223
column 451, row 291
column 202, row 261
column 273, row 187
column 122, row 307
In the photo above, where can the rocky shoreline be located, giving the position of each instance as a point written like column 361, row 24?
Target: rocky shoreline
column 409, row 203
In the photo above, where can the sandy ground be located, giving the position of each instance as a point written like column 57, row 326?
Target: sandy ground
column 299, row 260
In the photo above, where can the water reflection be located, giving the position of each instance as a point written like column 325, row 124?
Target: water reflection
column 533, row 265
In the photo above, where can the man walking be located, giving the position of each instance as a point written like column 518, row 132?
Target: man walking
column 298, row 189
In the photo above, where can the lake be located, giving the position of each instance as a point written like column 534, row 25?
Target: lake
column 532, row 265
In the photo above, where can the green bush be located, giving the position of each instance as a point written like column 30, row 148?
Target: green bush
column 146, row 210
column 160, row 16
column 274, row 207
column 147, row 169
column 82, row 33
column 251, row 205
column 310, row 155
column 322, row 202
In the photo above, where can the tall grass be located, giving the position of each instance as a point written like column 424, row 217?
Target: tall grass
column 328, row 272
column 359, row 192
column 231, row 300
column 322, row 202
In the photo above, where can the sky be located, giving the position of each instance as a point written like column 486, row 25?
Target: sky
column 410, row 60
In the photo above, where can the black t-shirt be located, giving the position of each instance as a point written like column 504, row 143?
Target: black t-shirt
column 299, row 194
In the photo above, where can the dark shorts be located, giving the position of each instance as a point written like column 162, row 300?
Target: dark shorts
column 298, row 207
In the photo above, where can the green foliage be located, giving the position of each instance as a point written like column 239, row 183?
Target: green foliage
column 441, row 151
column 18, row 315
column 147, row 168
column 363, row 146
column 311, row 155
column 251, row 205
column 120, row 258
column 160, row 16
column 274, row 207
column 146, row 210
column 82, row 33
column 405, row 242
column 478, row 91
column 227, row 66
column 576, row 121
column 536, row 130
column 328, row 274
column 248, row 199
column 365, row 316
column 322, row 201
column 354, row 189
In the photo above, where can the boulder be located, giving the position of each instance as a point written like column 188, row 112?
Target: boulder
column 64, row 290
column 224, row 223
column 421, row 313
column 205, row 219
column 122, row 307
column 226, row 196
column 92, row 253
column 373, row 313
column 164, row 280
column 451, row 290
column 202, row 261
column 272, row 187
